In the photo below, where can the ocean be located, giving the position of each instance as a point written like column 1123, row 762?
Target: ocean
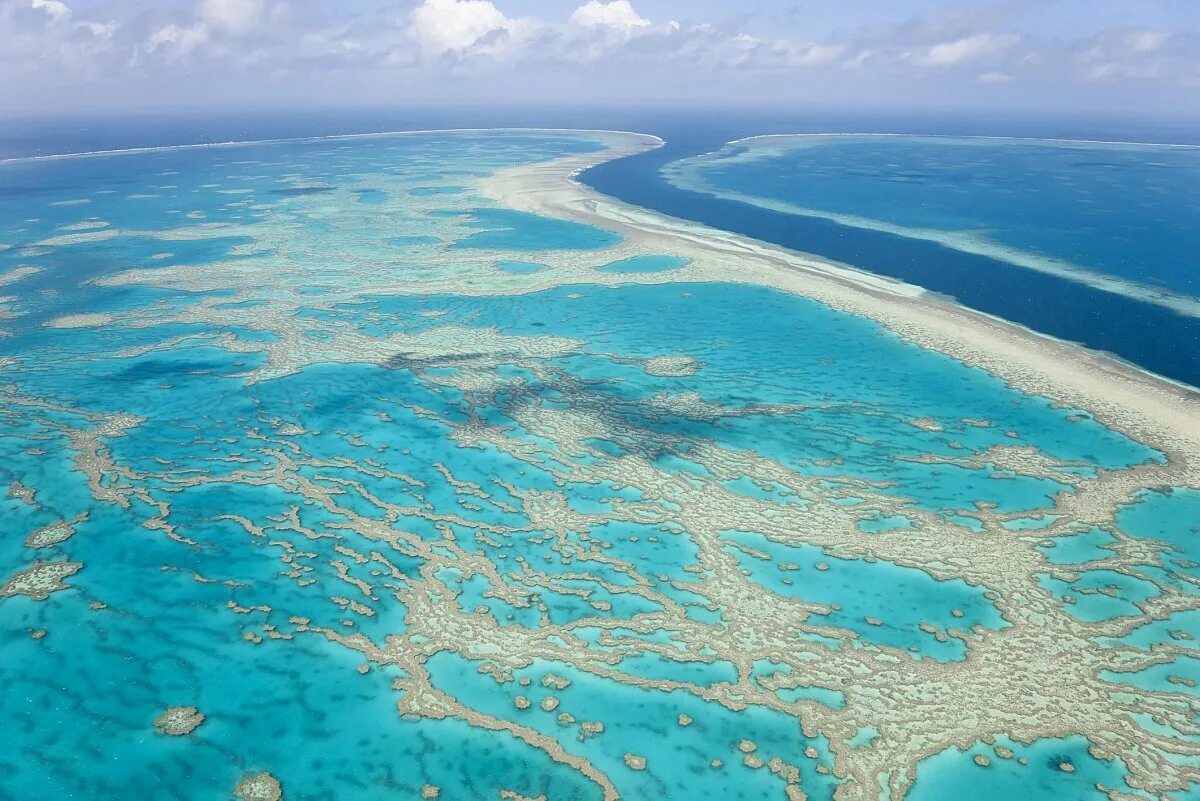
column 1130, row 218
column 321, row 460
column 1153, row 250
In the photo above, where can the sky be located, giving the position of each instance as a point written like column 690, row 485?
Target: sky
column 1130, row 56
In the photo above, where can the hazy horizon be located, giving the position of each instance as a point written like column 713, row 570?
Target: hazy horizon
column 93, row 56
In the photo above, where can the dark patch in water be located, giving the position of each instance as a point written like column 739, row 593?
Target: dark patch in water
column 409, row 361
column 1054, row 760
column 154, row 369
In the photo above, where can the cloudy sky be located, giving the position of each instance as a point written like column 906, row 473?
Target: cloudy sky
column 82, row 55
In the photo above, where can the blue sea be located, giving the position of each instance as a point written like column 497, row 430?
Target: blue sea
column 1088, row 242
column 1086, row 210
column 318, row 462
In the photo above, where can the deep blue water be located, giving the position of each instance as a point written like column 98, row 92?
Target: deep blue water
column 1126, row 211
column 1151, row 336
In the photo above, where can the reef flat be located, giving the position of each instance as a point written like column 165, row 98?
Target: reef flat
column 406, row 466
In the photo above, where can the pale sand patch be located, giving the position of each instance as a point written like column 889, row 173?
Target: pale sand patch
column 86, row 225
column 17, row 273
column 79, row 238
column 177, row 721
column 1158, row 412
column 671, row 366
column 92, row 320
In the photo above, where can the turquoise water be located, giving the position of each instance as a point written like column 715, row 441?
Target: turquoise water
column 643, row 264
column 296, row 434
column 1171, row 517
column 517, row 230
column 862, row 590
column 520, row 267
column 1051, row 768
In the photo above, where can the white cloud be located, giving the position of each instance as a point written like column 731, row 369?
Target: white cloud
column 994, row 77
column 81, row 51
column 965, row 49
column 174, row 40
column 232, row 16
column 1136, row 55
column 814, row 55
column 55, row 8
column 101, row 30
column 60, row 12
column 1147, row 41
column 456, row 26
column 617, row 15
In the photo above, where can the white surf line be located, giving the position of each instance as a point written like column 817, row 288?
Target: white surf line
column 746, row 140
column 686, row 178
column 322, row 138
column 982, row 137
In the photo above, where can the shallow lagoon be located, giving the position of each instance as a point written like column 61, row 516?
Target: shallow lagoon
column 643, row 264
